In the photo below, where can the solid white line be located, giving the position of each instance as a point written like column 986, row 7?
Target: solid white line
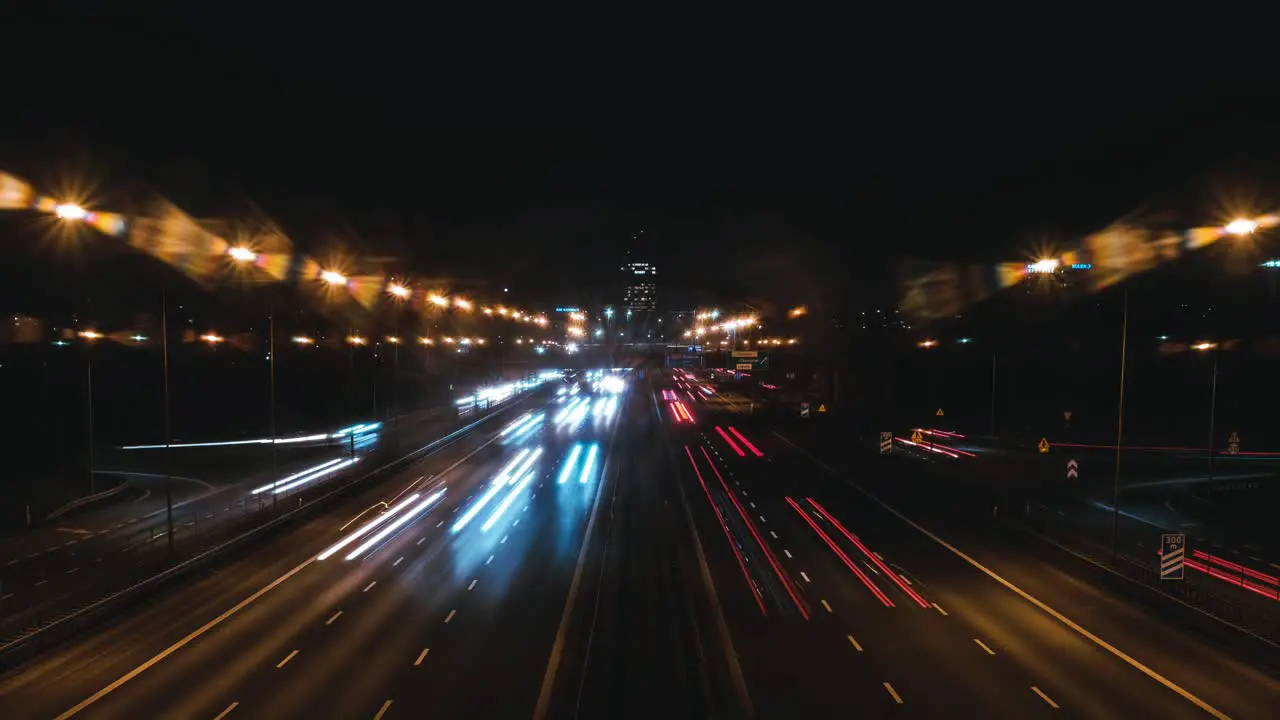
column 382, row 710
column 1079, row 629
column 226, row 712
column 1044, row 697
column 421, row 656
column 286, row 659
column 449, row 618
column 854, row 643
column 984, row 646
column 181, row 643
column 896, row 698
column 331, row 619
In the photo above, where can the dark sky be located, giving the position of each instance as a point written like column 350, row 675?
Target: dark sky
column 760, row 160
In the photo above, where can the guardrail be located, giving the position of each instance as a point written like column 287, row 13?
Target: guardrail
column 43, row 627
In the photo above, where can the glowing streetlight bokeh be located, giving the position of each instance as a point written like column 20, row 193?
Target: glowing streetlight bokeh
column 356, row 340
column 212, row 338
column 90, row 335
column 393, row 339
column 303, row 340
column 796, row 312
column 333, row 278
column 463, row 304
column 240, row 253
column 70, row 211
column 438, row 300
column 927, row 343
column 398, row 290
column 1202, row 346
column 426, row 341
column 1241, row 227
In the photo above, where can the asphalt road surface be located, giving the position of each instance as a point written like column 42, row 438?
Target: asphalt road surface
column 674, row 573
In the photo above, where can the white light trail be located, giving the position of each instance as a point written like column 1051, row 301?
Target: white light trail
column 506, row 502
column 315, row 476
column 588, row 465
column 364, row 530
column 295, row 476
column 569, row 464
column 404, row 518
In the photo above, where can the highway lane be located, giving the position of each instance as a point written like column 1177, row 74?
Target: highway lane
column 423, row 621
column 1028, row 645
column 137, row 533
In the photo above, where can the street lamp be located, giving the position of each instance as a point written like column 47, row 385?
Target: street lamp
column 332, row 277
column 1241, row 227
column 90, row 337
column 70, row 211
column 1213, row 396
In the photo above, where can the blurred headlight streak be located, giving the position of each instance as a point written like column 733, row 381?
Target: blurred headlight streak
column 494, row 487
column 390, row 513
column 399, row 522
column 569, row 464
column 516, row 424
column 295, row 476
column 315, row 476
column 612, row 384
column 589, row 464
column 506, row 502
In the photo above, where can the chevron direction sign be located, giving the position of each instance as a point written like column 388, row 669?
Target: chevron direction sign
column 1073, row 469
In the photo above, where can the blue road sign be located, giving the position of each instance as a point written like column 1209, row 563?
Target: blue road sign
column 1173, row 552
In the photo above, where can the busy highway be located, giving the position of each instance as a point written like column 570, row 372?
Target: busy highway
column 627, row 544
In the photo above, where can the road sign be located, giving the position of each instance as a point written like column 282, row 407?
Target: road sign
column 745, row 354
column 939, row 413
column 1073, row 469
column 822, row 407
column 1173, row 551
column 804, row 409
column 1066, row 415
column 886, row 443
column 1233, row 443
column 916, row 437
column 1044, row 445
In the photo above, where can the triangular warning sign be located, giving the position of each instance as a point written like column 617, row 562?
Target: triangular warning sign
column 939, row 413
column 1044, row 445
column 916, row 437
column 822, row 408
column 1235, row 437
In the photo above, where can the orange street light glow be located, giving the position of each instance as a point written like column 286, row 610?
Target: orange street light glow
column 303, row 340
column 240, row 253
column 70, row 211
column 356, row 340
column 464, row 304
column 90, row 334
column 398, row 290
column 333, row 278
column 212, row 338
column 440, row 300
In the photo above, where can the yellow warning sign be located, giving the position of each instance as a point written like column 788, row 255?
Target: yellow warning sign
column 822, row 408
column 1044, row 445
column 916, row 437
column 939, row 413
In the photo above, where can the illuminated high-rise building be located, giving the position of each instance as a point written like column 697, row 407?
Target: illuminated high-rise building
column 640, row 285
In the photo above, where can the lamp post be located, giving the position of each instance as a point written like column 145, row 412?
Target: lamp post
column 1115, row 482
column 90, row 337
column 241, row 254
column 1213, row 396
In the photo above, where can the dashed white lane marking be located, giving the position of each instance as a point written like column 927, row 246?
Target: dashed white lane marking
column 503, row 540
column 1044, row 697
column 440, row 523
column 226, row 712
column 774, row 534
column 286, row 659
column 382, row 710
column 896, row 697
column 398, row 561
column 517, row 522
column 854, row 643
column 828, row 607
column 787, row 552
column 473, row 584
column 486, row 562
column 938, row 607
column 984, row 646
column 333, row 617
column 449, row 618
column 421, row 656
column 762, row 519
column 753, row 505
column 805, row 576
column 370, row 585
column 421, row 540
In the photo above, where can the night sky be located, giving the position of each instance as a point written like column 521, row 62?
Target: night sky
column 758, row 162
